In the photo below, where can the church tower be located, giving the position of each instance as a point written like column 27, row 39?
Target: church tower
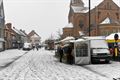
column 77, row 3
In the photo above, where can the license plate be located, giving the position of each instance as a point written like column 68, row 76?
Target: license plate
column 102, row 59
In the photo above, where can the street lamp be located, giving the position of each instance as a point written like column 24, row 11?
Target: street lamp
column 89, row 16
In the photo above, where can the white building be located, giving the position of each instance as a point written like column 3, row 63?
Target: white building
column 2, row 23
column 34, row 38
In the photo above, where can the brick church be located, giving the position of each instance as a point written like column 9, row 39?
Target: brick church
column 104, row 19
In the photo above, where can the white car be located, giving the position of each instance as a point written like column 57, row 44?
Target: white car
column 27, row 46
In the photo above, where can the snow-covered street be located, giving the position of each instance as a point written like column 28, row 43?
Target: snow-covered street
column 42, row 65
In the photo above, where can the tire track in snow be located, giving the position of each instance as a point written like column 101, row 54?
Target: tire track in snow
column 95, row 71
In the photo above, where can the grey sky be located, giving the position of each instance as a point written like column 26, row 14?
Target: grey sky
column 46, row 17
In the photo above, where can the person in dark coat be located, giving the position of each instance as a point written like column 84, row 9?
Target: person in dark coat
column 61, row 53
column 69, row 54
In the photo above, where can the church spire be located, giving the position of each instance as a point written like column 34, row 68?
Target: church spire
column 77, row 3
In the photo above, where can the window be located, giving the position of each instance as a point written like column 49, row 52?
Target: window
column 81, row 24
column 99, row 14
column 107, row 5
column 81, row 50
column 117, row 15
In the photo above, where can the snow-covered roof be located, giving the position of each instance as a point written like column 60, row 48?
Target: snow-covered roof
column 16, row 31
column 78, row 9
column 94, row 37
column 109, row 21
column 111, row 36
column 106, row 21
column 68, row 38
column 19, row 32
column 35, row 36
column 80, row 40
column 70, row 25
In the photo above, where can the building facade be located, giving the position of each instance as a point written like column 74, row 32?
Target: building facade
column 34, row 38
column 9, row 36
column 2, row 24
column 79, row 17
column 14, row 38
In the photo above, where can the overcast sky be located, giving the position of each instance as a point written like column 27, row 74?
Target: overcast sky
column 46, row 17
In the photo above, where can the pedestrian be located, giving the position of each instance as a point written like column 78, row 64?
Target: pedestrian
column 37, row 47
column 61, row 53
column 33, row 46
column 70, row 58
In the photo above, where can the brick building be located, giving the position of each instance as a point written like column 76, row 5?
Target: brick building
column 9, row 36
column 105, row 19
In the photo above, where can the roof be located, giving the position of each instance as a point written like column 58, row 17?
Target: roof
column 106, row 21
column 35, row 36
column 68, row 38
column 32, row 33
column 19, row 32
column 109, row 21
column 79, row 9
column 94, row 37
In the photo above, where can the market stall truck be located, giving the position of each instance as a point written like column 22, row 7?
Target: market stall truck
column 90, row 50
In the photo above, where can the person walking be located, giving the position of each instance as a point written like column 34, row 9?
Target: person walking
column 37, row 47
column 61, row 53
column 70, row 59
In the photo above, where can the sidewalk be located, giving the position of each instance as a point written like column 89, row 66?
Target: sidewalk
column 8, row 56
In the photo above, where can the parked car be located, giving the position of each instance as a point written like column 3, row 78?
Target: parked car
column 27, row 46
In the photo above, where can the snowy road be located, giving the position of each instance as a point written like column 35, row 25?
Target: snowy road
column 42, row 65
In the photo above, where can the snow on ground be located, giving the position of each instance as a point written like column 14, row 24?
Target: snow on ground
column 42, row 65
column 8, row 56
column 111, row 70
column 47, row 67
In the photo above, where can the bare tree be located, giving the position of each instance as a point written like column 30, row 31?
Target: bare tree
column 59, row 33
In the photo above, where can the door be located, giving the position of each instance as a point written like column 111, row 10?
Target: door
column 82, row 53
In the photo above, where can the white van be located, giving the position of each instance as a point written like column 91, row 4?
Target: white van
column 99, row 51
column 27, row 46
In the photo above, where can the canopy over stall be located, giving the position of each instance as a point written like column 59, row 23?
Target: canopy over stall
column 110, row 38
column 67, row 39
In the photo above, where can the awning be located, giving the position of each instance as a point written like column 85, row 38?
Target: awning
column 110, row 38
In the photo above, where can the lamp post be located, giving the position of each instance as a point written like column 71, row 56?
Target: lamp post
column 89, row 16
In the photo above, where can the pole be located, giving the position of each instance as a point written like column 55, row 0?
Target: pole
column 89, row 16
